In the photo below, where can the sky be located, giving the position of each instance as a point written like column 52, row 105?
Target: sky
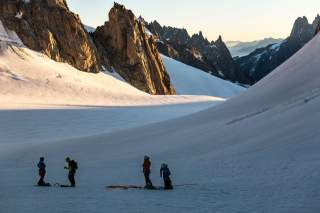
column 234, row 20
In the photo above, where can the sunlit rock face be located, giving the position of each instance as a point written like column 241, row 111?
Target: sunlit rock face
column 132, row 52
column 50, row 27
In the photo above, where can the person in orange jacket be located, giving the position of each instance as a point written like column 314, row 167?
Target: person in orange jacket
column 146, row 171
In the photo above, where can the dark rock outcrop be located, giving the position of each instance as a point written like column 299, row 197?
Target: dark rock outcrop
column 132, row 52
column 264, row 60
column 228, row 63
column 50, row 27
column 318, row 28
column 316, row 24
column 212, row 57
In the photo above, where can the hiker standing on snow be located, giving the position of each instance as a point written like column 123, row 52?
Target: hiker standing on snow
column 165, row 174
column 72, row 167
column 147, row 170
column 42, row 172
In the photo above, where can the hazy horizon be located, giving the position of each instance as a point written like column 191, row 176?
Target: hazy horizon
column 247, row 20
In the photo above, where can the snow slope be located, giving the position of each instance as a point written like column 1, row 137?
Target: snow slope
column 39, row 124
column 188, row 80
column 28, row 77
column 30, row 80
column 258, row 152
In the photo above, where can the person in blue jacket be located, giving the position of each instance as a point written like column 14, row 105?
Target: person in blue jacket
column 165, row 174
column 42, row 172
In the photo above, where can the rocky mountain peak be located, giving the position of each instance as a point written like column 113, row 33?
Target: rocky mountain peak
column 118, row 11
column 176, row 35
column 219, row 40
column 199, row 41
column 222, row 46
column 201, row 34
column 316, row 22
column 300, row 22
column 54, row 3
column 318, row 28
column 301, row 28
column 219, row 43
column 155, row 28
column 262, row 61
column 197, row 51
column 132, row 52
column 48, row 26
column 169, row 34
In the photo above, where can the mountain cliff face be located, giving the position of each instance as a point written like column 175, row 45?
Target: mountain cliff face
column 318, row 29
column 316, row 24
column 48, row 26
column 212, row 57
column 132, row 52
column 227, row 63
column 262, row 61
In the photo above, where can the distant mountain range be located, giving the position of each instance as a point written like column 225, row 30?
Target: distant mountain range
column 212, row 57
column 264, row 60
column 239, row 48
column 241, row 62
column 89, row 29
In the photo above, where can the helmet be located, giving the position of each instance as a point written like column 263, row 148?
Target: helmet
column 146, row 157
column 41, row 158
column 67, row 159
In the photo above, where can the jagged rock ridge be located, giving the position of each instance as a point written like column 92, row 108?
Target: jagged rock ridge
column 132, row 52
column 316, row 24
column 212, row 57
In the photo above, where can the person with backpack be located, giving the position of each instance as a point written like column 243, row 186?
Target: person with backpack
column 146, row 166
column 165, row 174
column 72, row 167
column 42, row 172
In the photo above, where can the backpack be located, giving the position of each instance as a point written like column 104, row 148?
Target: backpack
column 74, row 165
column 166, row 172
